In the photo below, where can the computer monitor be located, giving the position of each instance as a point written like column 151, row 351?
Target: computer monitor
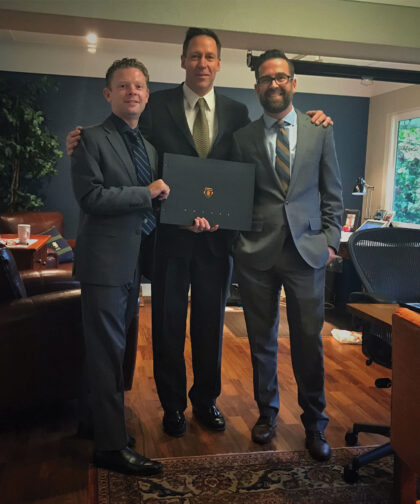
column 373, row 223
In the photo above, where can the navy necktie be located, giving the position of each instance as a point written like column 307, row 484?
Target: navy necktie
column 144, row 175
column 283, row 157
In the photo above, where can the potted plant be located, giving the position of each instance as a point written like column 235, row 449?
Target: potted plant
column 28, row 151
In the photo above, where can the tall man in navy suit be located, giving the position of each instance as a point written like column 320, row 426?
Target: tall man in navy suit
column 114, row 181
column 296, row 231
column 197, row 256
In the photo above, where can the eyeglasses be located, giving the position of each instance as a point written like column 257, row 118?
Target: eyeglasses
column 280, row 78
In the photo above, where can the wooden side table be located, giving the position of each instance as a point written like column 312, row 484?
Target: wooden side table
column 32, row 256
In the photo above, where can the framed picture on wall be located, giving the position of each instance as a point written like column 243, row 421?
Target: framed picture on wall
column 351, row 219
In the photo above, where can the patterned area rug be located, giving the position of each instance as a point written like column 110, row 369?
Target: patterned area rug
column 249, row 478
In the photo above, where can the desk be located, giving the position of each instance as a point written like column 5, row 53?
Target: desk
column 380, row 314
column 342, row 284
column 33, row 256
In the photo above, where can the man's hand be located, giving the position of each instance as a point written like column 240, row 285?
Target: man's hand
column 318, row 117
column 201, row 224
column 332, row 255
column 73, row 139
column 158, row 189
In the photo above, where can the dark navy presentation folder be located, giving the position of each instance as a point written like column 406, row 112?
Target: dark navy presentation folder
column 221, row 191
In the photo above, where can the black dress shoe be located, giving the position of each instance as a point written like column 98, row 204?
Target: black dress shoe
column 210, row 417
column 174, row 423
column 264, row 430
column 85, row 431
column 318, row 446
column 126, row 461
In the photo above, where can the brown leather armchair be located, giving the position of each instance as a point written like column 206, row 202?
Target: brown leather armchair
column 41, row 339
column 40, row 222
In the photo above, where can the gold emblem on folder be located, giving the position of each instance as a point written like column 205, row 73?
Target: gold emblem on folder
column 208, row 192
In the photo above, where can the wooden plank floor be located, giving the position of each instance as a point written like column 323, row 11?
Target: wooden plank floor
column 42, row 462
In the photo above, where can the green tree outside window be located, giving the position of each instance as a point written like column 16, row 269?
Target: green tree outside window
column 407, row 172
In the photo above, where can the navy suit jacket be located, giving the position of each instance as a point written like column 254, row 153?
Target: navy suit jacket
column 165, row 125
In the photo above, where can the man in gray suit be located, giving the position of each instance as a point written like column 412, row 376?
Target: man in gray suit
column 296, row 232
column 113, row 174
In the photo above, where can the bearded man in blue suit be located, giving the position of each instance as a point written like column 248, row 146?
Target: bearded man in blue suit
column 296, row 231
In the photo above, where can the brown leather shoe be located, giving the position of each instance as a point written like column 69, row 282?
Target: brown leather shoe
column 318, row 446
column 264, row 430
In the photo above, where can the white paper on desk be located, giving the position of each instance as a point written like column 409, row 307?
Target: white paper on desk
column 14, row 242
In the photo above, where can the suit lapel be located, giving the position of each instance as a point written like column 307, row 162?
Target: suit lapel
column 176, row 110
column 302, row 129
column 117, row 143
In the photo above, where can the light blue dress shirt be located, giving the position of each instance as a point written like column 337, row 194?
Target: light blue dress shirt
column 270, row 130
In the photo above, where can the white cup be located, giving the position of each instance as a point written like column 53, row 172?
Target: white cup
column 24, row 233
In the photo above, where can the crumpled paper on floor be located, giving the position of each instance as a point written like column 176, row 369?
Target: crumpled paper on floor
column 343, row 336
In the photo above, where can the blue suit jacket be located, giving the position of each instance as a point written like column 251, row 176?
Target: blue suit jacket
column 313, row 206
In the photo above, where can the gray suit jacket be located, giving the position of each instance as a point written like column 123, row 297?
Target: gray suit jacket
column 313, row 206
column 111, row 204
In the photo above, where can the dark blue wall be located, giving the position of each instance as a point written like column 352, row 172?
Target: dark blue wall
column 79, row 100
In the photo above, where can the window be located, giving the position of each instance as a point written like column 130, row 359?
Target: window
column 406, row 196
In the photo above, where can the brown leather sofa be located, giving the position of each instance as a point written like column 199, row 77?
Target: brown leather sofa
column 41, row 337
column 40, row 222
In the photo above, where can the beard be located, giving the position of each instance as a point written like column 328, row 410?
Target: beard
column 275, row 101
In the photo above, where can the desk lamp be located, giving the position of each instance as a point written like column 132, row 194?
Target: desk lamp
column 360, row 189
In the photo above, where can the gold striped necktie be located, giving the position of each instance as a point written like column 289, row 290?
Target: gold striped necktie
column 283, row 157
column 201, row 129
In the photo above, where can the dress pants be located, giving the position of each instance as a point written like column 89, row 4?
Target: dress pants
column 209, row 278
column 107, row 312
column 260, row 293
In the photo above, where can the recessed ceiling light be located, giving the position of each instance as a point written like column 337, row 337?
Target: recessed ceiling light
column 92, row 50
column 92, row 38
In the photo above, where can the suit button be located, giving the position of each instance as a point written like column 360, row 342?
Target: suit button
column 286, row 202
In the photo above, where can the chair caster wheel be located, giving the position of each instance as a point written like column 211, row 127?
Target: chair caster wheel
column 350, row 475
column 351, row 438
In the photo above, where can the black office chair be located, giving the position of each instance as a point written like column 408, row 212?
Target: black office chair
column 387, row 261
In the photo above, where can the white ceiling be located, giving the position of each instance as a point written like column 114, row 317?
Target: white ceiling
column 233, row 61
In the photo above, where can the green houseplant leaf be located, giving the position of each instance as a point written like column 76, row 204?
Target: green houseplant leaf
column 28, row 151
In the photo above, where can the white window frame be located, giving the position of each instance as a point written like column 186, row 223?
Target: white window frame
column 390, row 175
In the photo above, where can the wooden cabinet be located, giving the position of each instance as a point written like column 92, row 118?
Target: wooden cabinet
column 33, row 256
column 405, row 404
